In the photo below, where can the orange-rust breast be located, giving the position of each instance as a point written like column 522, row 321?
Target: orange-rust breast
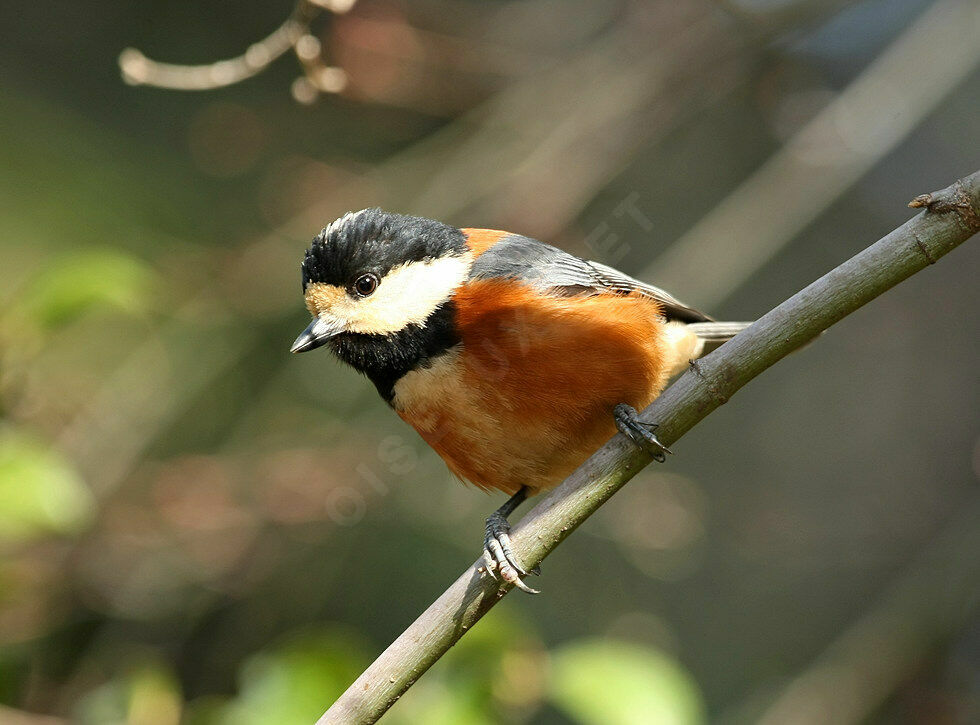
column 529, row 393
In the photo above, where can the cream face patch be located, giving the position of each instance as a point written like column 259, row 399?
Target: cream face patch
column 408, row 294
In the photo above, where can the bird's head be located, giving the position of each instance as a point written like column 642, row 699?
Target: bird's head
column 376, row 273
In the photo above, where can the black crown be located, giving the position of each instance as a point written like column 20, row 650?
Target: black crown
column 373, row 240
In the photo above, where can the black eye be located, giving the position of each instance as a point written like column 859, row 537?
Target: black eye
column 366, row 284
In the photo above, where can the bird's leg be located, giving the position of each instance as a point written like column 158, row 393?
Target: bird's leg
column 629, row 424
column 497, row 552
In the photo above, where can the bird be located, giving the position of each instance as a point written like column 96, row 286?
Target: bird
column 513, row 360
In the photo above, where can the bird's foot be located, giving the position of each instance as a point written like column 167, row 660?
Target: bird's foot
column 498, row 554
column 629, row 424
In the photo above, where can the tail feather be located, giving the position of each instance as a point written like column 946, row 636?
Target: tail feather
column 716, row 331
column 688, row 341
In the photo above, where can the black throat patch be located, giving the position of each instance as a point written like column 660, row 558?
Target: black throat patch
column 386, row 358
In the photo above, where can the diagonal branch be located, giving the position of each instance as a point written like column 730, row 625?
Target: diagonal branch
column 951, row 217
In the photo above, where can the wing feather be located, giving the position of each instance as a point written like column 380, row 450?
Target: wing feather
column 558, row 272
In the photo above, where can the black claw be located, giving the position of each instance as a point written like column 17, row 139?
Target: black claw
column 498, row 535
column 497, row 551
column 640, row 432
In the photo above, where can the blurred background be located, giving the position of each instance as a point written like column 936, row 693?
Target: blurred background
column 197, row 527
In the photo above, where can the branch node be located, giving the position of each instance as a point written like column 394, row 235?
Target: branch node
column 954, row 197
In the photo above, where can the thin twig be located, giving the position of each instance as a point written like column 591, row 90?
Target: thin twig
column 293, row 34
column 697, row 393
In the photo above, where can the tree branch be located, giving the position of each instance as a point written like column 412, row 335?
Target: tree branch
column 951, row 216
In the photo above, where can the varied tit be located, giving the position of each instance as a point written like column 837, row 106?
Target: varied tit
column 513, row 359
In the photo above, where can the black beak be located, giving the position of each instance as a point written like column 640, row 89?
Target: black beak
column 317, row 333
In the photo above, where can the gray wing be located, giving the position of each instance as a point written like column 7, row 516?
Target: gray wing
column 550, row 269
